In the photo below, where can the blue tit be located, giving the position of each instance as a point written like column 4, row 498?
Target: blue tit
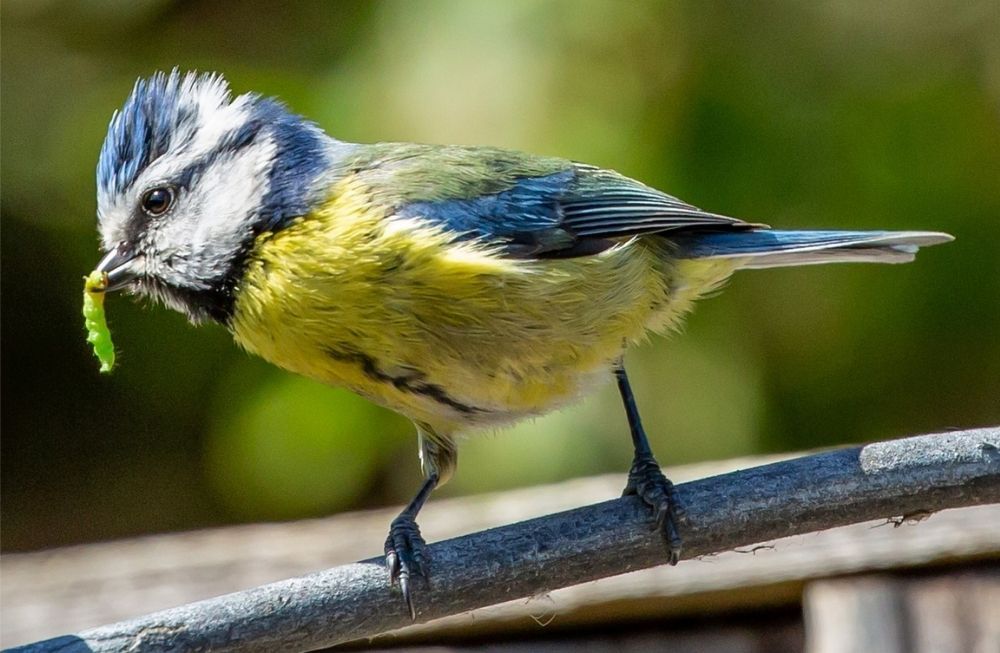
column 463, row 287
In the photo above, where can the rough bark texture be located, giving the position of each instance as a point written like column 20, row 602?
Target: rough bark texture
column 908, row 477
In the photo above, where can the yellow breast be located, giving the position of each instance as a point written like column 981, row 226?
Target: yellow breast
column 450, row 334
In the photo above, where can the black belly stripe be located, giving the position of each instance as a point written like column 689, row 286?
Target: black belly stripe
column 413, row 382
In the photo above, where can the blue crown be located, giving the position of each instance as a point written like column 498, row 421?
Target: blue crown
column 140, row 132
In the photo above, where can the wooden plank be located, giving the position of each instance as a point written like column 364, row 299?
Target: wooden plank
column 954, row 613
column 765, row 633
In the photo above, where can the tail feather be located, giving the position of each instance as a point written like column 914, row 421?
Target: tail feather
column 766, row 248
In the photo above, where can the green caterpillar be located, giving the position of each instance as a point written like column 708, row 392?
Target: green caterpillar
column 98, row 333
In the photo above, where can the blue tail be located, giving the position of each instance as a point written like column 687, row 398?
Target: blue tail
column 766, row 248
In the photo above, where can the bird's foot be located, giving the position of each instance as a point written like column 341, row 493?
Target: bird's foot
column 646, row 480
column 406, row 557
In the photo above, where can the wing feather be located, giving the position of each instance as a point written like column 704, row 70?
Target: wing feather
column 532, row 206
column 605, row 204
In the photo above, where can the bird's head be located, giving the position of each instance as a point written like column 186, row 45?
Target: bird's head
column 189, row 176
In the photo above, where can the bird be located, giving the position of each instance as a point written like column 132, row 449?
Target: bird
column 465, row 288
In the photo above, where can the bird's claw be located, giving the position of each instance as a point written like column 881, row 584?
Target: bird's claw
column 646, row 480
column 406, row 557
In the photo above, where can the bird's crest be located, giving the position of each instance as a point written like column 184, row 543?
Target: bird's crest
column 161, row 112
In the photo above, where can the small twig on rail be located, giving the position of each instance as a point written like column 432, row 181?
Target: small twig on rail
column 900, row 477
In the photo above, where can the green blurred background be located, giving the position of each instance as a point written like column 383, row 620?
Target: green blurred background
column 844, row 114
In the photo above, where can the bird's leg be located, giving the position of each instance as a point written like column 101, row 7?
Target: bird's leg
column 406, row 554
column 646, row 479
column 405, row 550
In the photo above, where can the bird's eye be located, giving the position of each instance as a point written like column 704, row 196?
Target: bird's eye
column 156, row 201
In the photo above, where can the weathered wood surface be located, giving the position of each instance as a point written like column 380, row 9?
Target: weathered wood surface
column 769, row 633
column 891, row 614
column 904, row 477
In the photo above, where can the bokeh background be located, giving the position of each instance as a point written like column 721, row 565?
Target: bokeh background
column 832, row 114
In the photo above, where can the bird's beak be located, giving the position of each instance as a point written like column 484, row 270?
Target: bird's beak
column 121, row 266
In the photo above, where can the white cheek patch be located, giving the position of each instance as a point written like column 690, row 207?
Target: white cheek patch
column 229, row 192
column 213, row 219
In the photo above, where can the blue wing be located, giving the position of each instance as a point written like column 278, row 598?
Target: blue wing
column 544, row 208
column 576, row 211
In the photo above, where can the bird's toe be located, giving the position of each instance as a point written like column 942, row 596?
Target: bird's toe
column 406, row 558
column 647, row 481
